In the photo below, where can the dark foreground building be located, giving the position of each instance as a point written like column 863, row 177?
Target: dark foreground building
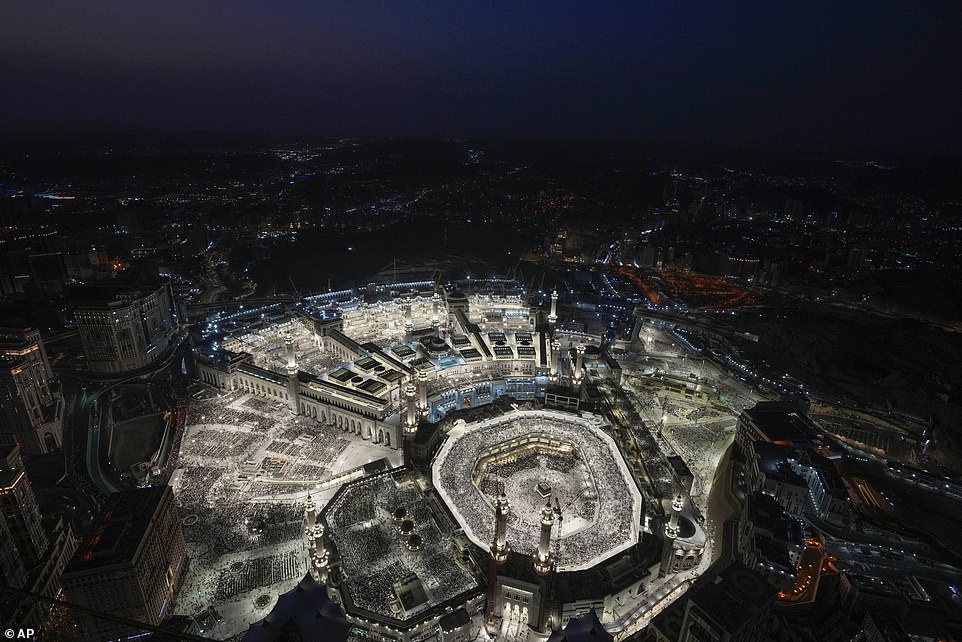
column 129, row 565
column 34, row 550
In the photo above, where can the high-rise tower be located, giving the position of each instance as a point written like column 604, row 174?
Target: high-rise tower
column 18, row 506
column 31, row 410
column 130, row 563
column 124, row 329
column 19, row 519
column 32, row 555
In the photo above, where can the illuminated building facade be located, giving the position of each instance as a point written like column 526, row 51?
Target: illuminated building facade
column 34, row 552
column 123, row 330
column 18, row 505
column 457, row 351
column 31, row 409
column 130, row 564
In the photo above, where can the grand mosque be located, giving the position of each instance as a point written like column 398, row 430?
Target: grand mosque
column 517, row 503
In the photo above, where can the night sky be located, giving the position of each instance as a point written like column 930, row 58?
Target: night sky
column 845, row 77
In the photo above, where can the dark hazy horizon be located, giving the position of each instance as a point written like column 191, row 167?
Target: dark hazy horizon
column 858, row 78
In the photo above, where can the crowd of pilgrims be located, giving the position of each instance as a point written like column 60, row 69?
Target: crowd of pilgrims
column 224, row 522
column 258, row 572
column 374, row 554
column 230, row 529
column 612, row 527
column 583, row 503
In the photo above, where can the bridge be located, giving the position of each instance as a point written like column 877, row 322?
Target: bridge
column 195, row 310
column 700, row 324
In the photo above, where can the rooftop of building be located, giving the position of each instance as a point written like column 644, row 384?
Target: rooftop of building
column 125, row 520
column 9, row 478
column 887, row 627
column 9, row 457
column 768, row 515
column 732, row 597
column 454, row 620
column 108, row 296
column 583, row 628
column 827, row 472
column 679, row 466
column 668, row 622
column 946, row 594
column 773, row 460
column 382, row 578
column 11, row 466
column 17, row 337
column 782, row 423
column 19, row 345
column 772, row 551
column 873, row 584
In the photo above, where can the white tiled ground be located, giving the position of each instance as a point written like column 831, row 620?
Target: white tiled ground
column 227, row 443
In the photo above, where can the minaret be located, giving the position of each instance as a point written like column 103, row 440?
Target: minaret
column 499, row 547
column 499, row 552
column 543, row 561
column 316, row 550
column 293, row 385
column 553, row 317
column 671, row 532
column 436, row 314
column 422, row 394
column 289, row 348
column 408, row 321
column 411, row 420
column 579, row 363
column 555, row 355
column 550, row 608
column 310, row 511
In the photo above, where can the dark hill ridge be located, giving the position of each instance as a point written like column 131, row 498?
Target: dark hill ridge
column 873, row 361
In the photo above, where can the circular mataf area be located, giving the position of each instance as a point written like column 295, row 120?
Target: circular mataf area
column 532, row 472
column 528, row 455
